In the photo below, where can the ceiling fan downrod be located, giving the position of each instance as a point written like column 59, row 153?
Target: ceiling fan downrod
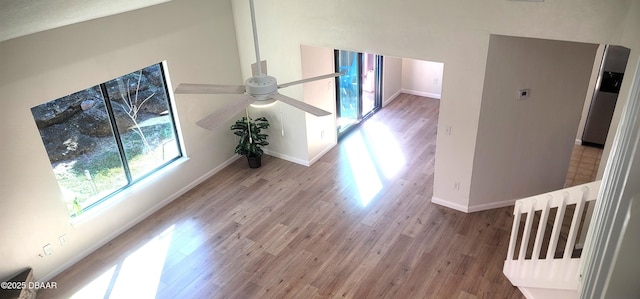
column 255, row 37
column 260, row 85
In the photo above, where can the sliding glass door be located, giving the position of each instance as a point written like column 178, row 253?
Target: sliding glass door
column 348, row 89
column 358, row 91
column 370, row 81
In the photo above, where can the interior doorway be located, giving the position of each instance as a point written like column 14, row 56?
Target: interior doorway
column 597, row 115
column 613, row 63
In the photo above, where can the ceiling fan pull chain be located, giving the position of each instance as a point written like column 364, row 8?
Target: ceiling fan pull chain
column 248, row 124
column 281, row 122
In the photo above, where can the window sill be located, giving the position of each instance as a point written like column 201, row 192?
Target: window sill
column 114, row 200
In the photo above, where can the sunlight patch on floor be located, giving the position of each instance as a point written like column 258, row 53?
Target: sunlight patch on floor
column 364, row 171
column 385, row 148
column 137, row 276
column 98, row 287
column 374, row 156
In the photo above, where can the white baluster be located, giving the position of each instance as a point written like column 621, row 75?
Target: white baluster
column 514, row 231
column 542, row 225
column 527, row 232
column 557, row 226
column 575, row 223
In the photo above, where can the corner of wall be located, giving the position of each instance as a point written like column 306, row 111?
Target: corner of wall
column 449, row 204
column 390, row 99
column 472, row 208
column 421, row 93
column 317, row 157
column 288, row 158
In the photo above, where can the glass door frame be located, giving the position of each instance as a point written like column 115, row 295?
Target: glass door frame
column 378, row 59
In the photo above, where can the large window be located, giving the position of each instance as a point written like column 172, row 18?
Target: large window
column 105, row 138
column 358, row 91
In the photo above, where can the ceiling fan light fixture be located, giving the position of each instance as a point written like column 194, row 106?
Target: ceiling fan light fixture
column 261, row 85
column 263, row 103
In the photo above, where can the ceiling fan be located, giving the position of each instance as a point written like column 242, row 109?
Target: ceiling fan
column 259, row 89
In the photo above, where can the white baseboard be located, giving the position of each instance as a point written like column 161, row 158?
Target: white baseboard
column 287, row 157
column 298, row 160
column 136, row 220
column 491, row 205
column 319, row 155
column 448, row 204
column 472, row 208
column 540, row 293
column 391, row 98
column 421, row 93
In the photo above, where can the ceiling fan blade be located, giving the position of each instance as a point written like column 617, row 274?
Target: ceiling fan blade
column 300, row 105
column 263, row 66
column 218, row 117
column 309, row 80
column 188, row 88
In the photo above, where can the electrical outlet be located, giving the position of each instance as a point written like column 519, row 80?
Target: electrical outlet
column 456, row 185
column 48, row 249
column 63, row 240
column 322, row 134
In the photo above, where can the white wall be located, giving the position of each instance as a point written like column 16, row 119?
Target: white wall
column 524, row 146
column 391, row 78
column 19, row 18
column 321, row 131
column 623, row 281
column 630, row 39
column 195, row 37
column 626, row 265
column 455, row 33
column 423, row 78
column 609, row 264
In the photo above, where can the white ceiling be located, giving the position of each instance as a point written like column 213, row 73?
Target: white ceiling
column 23, row 17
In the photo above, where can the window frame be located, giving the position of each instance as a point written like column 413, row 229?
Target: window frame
column 119, row 142
column 132, row 181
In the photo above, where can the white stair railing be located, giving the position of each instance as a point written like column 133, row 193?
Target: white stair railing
column 527, row 265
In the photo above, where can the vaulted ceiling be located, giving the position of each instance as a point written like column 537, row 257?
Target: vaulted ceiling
column 23, row 17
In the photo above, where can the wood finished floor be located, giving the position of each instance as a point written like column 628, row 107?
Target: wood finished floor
column 289, row 231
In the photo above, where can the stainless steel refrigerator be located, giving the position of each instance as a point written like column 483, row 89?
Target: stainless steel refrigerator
column 605, row 96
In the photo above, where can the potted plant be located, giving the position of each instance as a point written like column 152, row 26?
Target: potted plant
column 251, row 139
